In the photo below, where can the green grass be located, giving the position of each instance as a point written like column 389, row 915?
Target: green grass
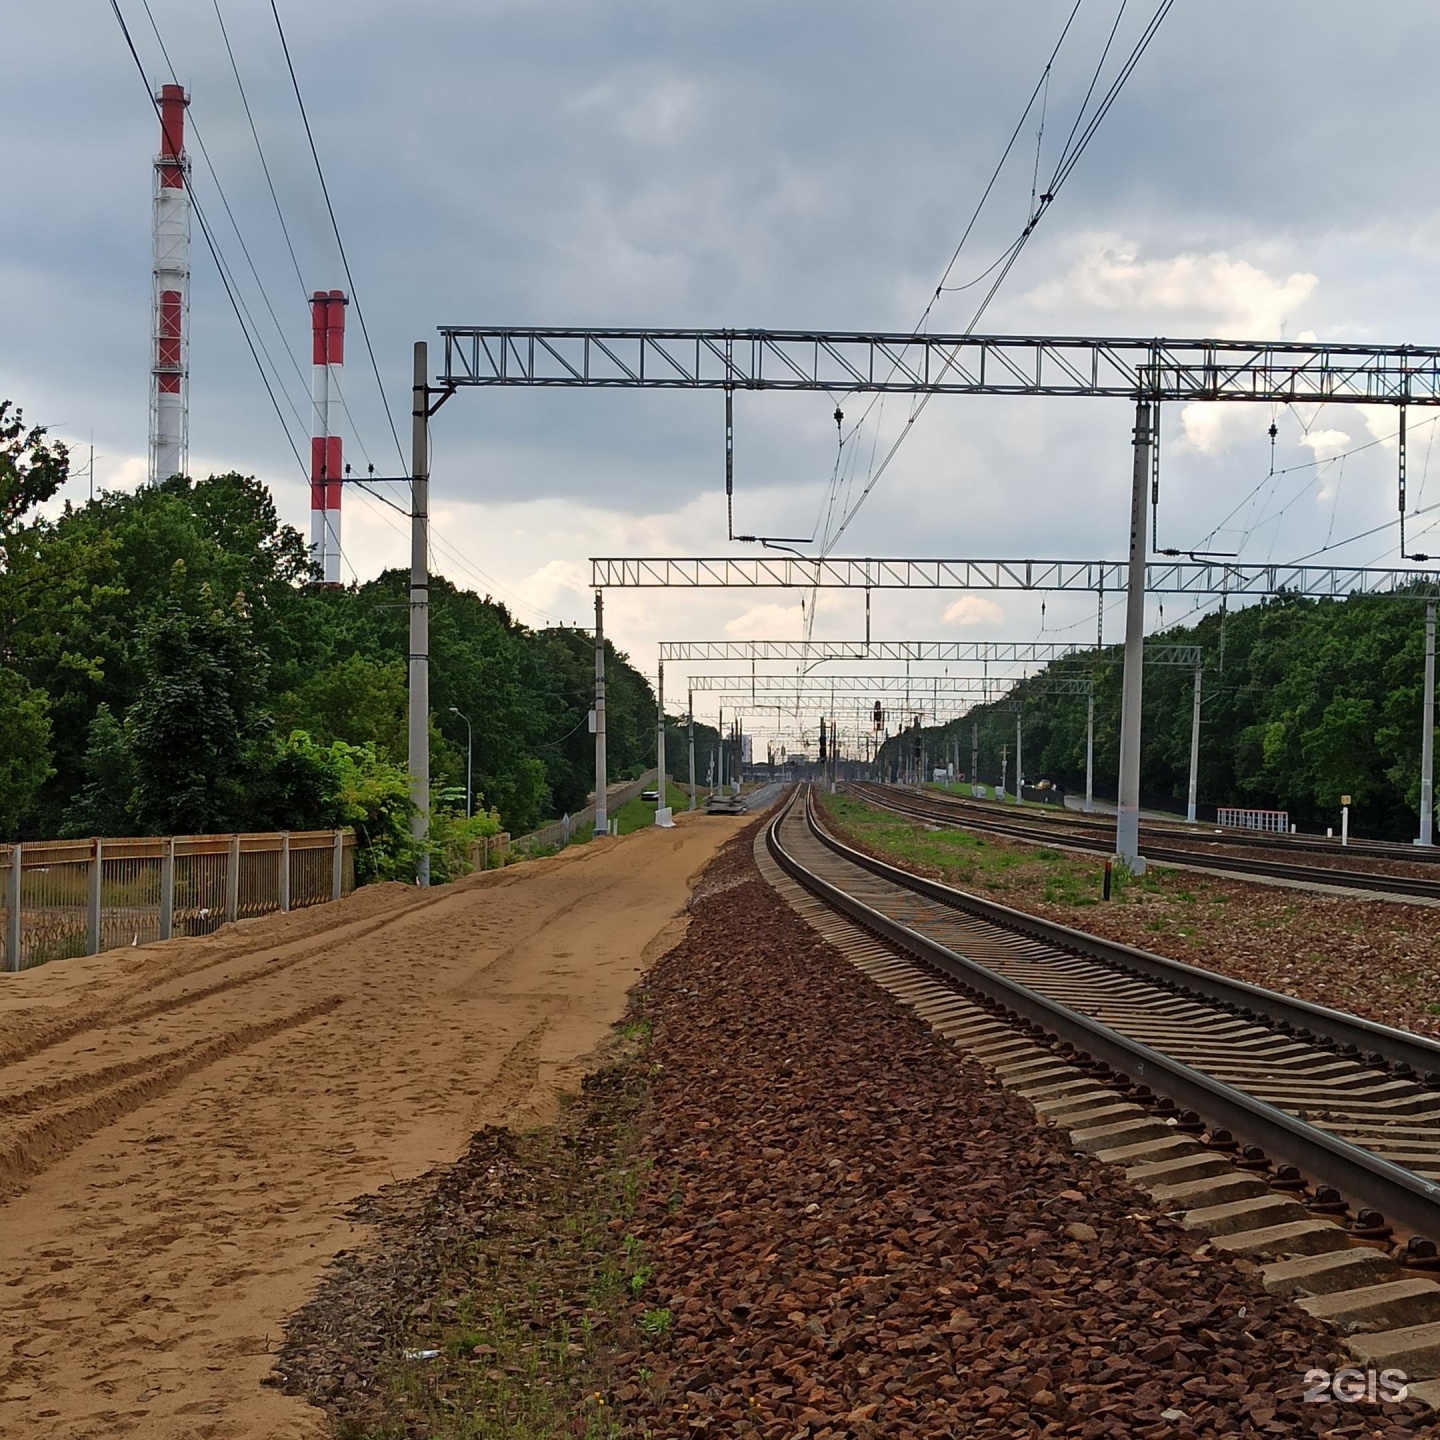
column 970, row 861
column 636, row 814
column 1010, row 801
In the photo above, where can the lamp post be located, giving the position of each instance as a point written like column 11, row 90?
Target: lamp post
column 469, row 750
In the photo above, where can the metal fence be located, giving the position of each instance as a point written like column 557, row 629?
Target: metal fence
column 558, row 832
column 60, row 898
column 1276, row 821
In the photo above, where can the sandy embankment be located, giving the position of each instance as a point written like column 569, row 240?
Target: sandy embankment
column 181, row 1126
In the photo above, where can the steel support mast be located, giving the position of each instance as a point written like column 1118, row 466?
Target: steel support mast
column 1427, row 733
column 1127, row 806
column 419, row 716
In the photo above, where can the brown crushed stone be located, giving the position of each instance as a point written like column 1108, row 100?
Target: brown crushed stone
column 856, row 1232
column 844, row 1228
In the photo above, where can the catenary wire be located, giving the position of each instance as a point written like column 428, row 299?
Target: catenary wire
column 1064, row 169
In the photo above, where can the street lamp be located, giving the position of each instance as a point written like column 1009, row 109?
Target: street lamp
column 469, row 747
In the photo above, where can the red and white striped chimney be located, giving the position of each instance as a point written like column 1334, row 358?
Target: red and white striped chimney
column 327, row 333
column 170, row 307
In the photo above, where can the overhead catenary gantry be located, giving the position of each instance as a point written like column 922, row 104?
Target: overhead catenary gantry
column 1108, row 577
column 1280, row 372
column 1145, row 371
column 938, row 652
column 858, row 685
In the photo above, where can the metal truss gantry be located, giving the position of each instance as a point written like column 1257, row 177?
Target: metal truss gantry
column 949, row 652
column 856, row 686
column 1145, row 371
column 1181, row 577
column 837, row 361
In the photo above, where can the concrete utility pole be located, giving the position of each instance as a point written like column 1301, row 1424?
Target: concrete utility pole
column 1090, row 752
column 1127, row 808
column 1194, row 752
column 1019, row 766
column 602, row 817
column 419, row 715
column 1427, row 732
column 974, row 752
column 662, row 809
column 690, row 735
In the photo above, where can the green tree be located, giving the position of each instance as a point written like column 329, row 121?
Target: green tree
column 32, row 469
column 199, row 723
column 357, row 699
column 24, row 748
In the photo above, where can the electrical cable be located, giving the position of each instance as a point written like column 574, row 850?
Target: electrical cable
column 212, row 246
column 1065, row 167
column 335, row 226
column 244, row 248
column 259, row 149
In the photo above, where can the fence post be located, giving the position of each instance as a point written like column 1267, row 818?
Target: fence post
column 12, row 908
column 232, row 880
column 284, row 872
column 167, row 887
column 96, row 863
column 337, row 866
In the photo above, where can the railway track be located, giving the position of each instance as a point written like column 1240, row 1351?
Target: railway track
column 1066, row 836
column 1349, row 1103
column 1162, row 831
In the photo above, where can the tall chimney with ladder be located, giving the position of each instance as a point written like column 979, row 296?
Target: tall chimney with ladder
column 170, row 306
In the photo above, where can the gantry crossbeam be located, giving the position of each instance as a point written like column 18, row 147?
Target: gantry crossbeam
column 1162, row 577
column 859, row 686
column 837, row 361
column 957, row 652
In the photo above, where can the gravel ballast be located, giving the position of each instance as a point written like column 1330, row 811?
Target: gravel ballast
column 856, row 1232
column 788, row 1210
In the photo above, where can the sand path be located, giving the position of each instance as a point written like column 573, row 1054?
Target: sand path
column 182, row 1126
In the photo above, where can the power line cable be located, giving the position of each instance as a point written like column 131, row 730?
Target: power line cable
column 1064, row 168
column 211, row 245
column 335, row 226
column 244, row 248
column 259, row 149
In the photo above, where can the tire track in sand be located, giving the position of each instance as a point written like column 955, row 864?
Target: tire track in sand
column 36, row 1147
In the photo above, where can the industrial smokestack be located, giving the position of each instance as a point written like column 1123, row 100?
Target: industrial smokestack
column 170, row 307
column 327, row 334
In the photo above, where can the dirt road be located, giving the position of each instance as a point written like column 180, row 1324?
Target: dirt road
column 182, row 1126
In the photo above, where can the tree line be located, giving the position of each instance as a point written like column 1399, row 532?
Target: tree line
column 1303, row 701
column 169, row 665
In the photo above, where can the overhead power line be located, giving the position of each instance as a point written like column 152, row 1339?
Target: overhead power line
column 259, row 149
column 1069, row 158
column 236, row 303
column 335, row 226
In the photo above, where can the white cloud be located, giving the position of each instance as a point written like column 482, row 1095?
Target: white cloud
column 1212, row 293
column 1324, row 444
column 767, row 622
column 971, row 610
column 555, row 581
column 1211, row 429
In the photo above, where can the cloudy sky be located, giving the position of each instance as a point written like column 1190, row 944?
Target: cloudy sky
column 1263, row 175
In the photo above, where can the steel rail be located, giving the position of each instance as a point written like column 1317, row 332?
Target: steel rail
column 1177, row 829
column 1418, row 887
column 1399, row 1193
